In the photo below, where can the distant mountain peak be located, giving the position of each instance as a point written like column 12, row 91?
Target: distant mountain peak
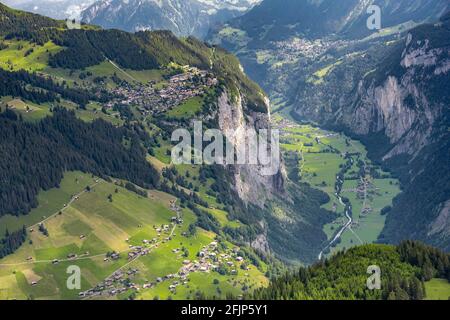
column 183, row 17
column 57, row 9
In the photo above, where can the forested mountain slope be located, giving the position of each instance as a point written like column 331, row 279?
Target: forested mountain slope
column 36, row 156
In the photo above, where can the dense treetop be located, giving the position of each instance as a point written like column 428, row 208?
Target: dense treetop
column 344, row 276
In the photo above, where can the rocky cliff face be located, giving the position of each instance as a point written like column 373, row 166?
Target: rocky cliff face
column 401, row 106
column 269, row 195
column 252, row 183
column 441, row 225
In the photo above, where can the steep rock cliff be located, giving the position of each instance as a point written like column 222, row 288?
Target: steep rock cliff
column 402, row 106
column 251, row 183
column 290, row 219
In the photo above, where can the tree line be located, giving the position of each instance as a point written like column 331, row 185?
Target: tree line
column 12, row 241
column 39, row 89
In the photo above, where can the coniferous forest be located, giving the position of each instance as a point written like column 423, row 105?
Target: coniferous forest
column 12, row 241
column 404, row 269
column 35, row 156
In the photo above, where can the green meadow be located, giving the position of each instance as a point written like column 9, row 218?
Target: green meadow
column 50, row 202
column 437, row 289
column 23, row 55
column 108, row 218
column 187, row 109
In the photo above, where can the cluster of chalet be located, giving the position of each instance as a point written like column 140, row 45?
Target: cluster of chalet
column 157, row 98
column 210, row 258
column 118, row 282
column 294, row 48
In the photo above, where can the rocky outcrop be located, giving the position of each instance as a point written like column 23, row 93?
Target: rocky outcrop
column 286, row 223
column 441, row 225
column 261, row 243
column 385, row 108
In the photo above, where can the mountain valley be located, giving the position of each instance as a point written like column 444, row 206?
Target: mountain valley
column 378, row 86
column 88, row 117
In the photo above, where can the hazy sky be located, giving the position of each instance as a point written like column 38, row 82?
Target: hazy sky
column 59, row 9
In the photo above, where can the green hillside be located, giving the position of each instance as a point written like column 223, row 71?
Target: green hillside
column 86, row 135
column 408, row 272
column 437, row 289
column 109, row 218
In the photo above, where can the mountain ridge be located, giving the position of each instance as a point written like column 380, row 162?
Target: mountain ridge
column 184, row 18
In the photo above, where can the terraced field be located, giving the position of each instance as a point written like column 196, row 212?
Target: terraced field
column 324, row 156
column 87, row 225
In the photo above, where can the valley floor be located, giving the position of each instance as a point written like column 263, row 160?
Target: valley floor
column 338, row 165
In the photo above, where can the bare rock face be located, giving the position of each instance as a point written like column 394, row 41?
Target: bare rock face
column 261, row 243
column 400, row 106
column 252, row 184
column 441, row 226
column 385, row 109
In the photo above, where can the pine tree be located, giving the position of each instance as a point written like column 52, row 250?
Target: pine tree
column 416, row 289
